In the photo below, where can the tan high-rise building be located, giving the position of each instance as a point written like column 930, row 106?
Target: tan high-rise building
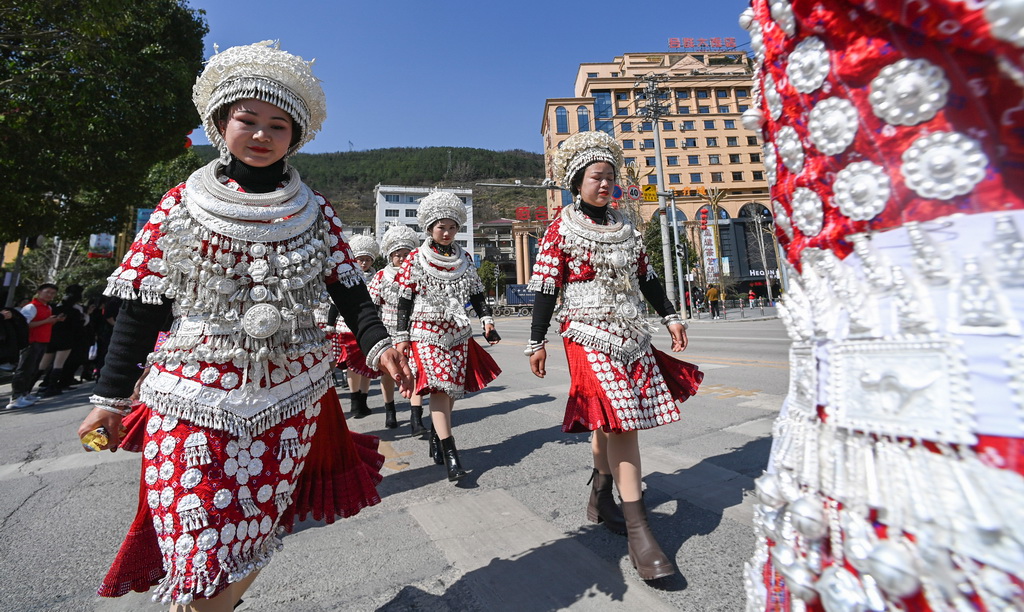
column 703, row 146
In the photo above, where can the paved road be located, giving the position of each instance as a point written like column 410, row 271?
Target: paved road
column 512, row 536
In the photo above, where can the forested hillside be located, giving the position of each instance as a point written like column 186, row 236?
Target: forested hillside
column 348, row 179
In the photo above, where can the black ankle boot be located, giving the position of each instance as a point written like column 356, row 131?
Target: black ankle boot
column 602, row 507
column 364, row 409
column 52, row 382
column 451, row 459
column 435, row 448
column 416, row 421
column 390, row 419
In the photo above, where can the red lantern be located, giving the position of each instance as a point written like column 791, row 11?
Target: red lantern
column 703, row 219
column 188, row 142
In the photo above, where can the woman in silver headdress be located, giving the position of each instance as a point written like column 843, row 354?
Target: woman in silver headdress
column 620, row 382
column 364, row 250
column 396, row 244
column 435, row 282
column 237, row 418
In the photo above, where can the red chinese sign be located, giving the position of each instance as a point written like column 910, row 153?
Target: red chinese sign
column 525, row 213
column 715, row 42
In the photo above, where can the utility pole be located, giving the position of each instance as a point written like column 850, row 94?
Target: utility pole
column 654, row 109
column 758, row 220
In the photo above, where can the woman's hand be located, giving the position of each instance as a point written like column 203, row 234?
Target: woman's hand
column 394, row 364
column 537, row 361
column 403, row 348
column 679, row 340
column 106, row 419
column 487, row 332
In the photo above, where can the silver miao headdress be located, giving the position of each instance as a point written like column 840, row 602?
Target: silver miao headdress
column 264, row 72
column 441, row 205
column 363, row 244
column 398, row 237
column 582, row 149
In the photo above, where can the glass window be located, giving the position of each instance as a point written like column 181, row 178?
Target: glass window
column 591, row 75
column 693, row 160
column 652, row 179
column 734, row 158
column 628, row 160
column 561, row 120
column 755, row 157
column 737, row 176
column 751, row 140
column 723, row 109
column 667, row 125
column 583, row 118
column 703, row 110
column 732, row 141
column 627, row 144
column 615, row 74
column 626, row 126
column 742, row 93
column 670, row 143
column 410, row 212
column 622, row 95
column 691, row 142
column 716, row 177
column 391, row 198
column 758, row 175
column 741, row 108
column 674, row 178
column 689, row 125
column 712, row 142
column 673, row 160
column 646, row 126
column 721, row 93
column 648, row 143
column 622, row 111
column 703, row 94
column 390, row 212
column 714, row 159
column 683, row 94
column 649, row 162
column 695, row 177
column 709, row 124
column 684, row 110
column 602, row 111
column 409, row 199
column 730, row 124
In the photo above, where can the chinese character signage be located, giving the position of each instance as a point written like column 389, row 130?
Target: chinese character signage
column 703, row 44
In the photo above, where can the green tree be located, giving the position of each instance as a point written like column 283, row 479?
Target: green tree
column 92, row 94
column 486, row 272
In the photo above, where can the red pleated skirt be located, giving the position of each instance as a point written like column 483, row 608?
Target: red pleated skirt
column 352, row 357
column 619, row 397
column 466, row 367
column 210, row 513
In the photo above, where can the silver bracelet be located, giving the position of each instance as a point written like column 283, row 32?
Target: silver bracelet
column 674, row 319
column 121, row 411
column 373, row 357
column 532, row 347
column 99, row 400
column 487, row 320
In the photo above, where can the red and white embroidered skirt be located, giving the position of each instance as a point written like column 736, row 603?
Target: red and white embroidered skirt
column 464, row 367
column 618, row 397
column 212, row 505
column 352, row 356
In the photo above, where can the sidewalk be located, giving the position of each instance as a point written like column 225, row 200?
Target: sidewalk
column 738, row 314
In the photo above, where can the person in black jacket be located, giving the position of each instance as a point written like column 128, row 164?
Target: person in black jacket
column 13, row 335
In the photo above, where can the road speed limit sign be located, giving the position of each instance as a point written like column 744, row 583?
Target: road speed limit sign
column 633, row 192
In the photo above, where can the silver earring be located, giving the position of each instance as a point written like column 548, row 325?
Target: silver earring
column 579, row 199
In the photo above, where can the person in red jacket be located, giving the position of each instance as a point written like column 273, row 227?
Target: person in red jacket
column 40, row 324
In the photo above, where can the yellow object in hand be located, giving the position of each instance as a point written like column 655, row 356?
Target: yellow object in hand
column 96, row 439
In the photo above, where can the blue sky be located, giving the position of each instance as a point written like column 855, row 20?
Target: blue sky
column 453, row 72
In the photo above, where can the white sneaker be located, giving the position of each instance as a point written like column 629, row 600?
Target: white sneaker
column 12, row 404
column 28, row 400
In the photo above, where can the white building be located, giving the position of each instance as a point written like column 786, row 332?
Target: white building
column 397, row 204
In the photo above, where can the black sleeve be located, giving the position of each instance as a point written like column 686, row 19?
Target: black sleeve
column 332, row 315
column 404, row 308
column 134, row 335
column 654, row 292
column 359, row 313
column 480, row 305
column 543, row 308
